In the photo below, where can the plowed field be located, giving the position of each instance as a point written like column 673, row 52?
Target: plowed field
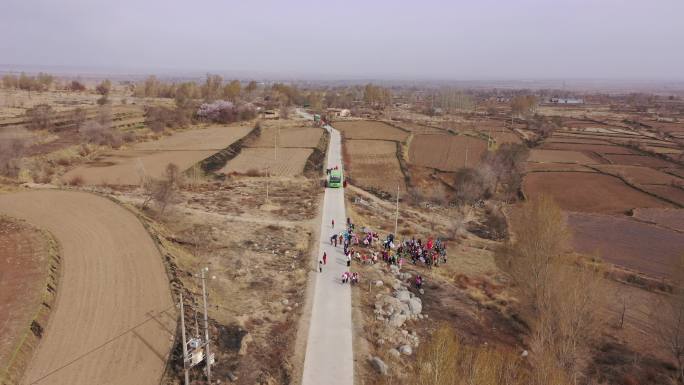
column 446, row 152
column 113, row 320
column 290, row 161
column 367, row 129
column 638, row 174
column 288, row 137
column 638, row 160
column 670, row 192
column 374, row 164
column 559, row 156
column 588, row 192
column 23, row 278
column 670, row 218
column 626, row 242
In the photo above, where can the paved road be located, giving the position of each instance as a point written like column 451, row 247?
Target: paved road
column 329, row 356
column 113, row 318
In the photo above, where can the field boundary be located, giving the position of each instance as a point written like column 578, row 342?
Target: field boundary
column 315, row 162
column 219, row 159
column 636, row 187
column 31, row 337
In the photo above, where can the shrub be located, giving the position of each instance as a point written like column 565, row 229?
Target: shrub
column 93, row 132
column 11, row 151
column 40, row 117
column 75, row 180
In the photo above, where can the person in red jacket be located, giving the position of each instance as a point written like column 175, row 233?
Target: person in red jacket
column 325, row 258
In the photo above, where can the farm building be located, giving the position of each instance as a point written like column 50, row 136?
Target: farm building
column 566, row 101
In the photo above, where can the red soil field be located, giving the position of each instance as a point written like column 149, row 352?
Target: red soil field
column 672, row 193
column 446, row 152
column 559, row 156
column 599, row 148
column 638, row 174
column 638, row 160
column 536, row 167
column 588, row 192
column 626, row 242
column 23, row 278
column 670, row 218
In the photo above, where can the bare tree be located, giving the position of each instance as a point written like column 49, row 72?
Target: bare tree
column 41, row 117
column 162, row 191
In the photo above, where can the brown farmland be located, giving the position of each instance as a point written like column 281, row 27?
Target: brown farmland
column 670, row 218
column 114, row 320
column 671, row 193
column 289, row 162
column 638, row 160
column 446, row 152
column 373, row 164
column 368, row 129
column 23, row 278
column 588, row 192
column 638, row 174
column 559, row 156
column 622, row 241
column 307, row 137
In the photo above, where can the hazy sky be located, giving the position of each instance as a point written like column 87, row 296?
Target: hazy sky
column 421, row 39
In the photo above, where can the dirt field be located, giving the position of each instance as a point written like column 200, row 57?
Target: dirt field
column 670, row 192
column 535, row 167
column 638, row 174
column 446, row 152
column 374, row 164
column 24, row 255
column 306, row 137
column 638, row 160
column 599, row 148
column 290, row 161
column 626, row 242
column 113, row 320
column 588, row 192
column 558, row 156
column 366, row 129
column 126, row 167
column 670, row 218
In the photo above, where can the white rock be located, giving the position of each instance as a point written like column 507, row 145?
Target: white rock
column 394, row 353
column 379, row 365
column 285, row 301
column 406, row 349
column 379, row 283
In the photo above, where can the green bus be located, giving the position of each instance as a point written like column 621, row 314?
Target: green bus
column 335, row 178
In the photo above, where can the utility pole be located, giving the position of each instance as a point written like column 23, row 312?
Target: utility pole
column 206, row 327
column 185, row 342
column 396, row 216
column 268, row 179
column 465, row 164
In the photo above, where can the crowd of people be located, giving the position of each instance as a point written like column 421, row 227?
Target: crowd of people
column 360, row 246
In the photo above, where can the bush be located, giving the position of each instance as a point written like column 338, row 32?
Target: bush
column 93, row 132
column 11, row 151
column 40, row 117
column 75, row 180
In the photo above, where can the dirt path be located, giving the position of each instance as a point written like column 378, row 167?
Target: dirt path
column 114, row 319
column 329, row 355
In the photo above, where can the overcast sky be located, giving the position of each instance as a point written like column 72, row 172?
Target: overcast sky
column 392, row 39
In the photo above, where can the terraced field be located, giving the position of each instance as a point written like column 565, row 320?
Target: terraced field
column 130, row 166
column 373, row 164
column 589, row 192
column 366, row 129
column 446, row 152
column 289, row 161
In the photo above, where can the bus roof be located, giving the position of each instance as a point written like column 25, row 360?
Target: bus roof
column 336, row 173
